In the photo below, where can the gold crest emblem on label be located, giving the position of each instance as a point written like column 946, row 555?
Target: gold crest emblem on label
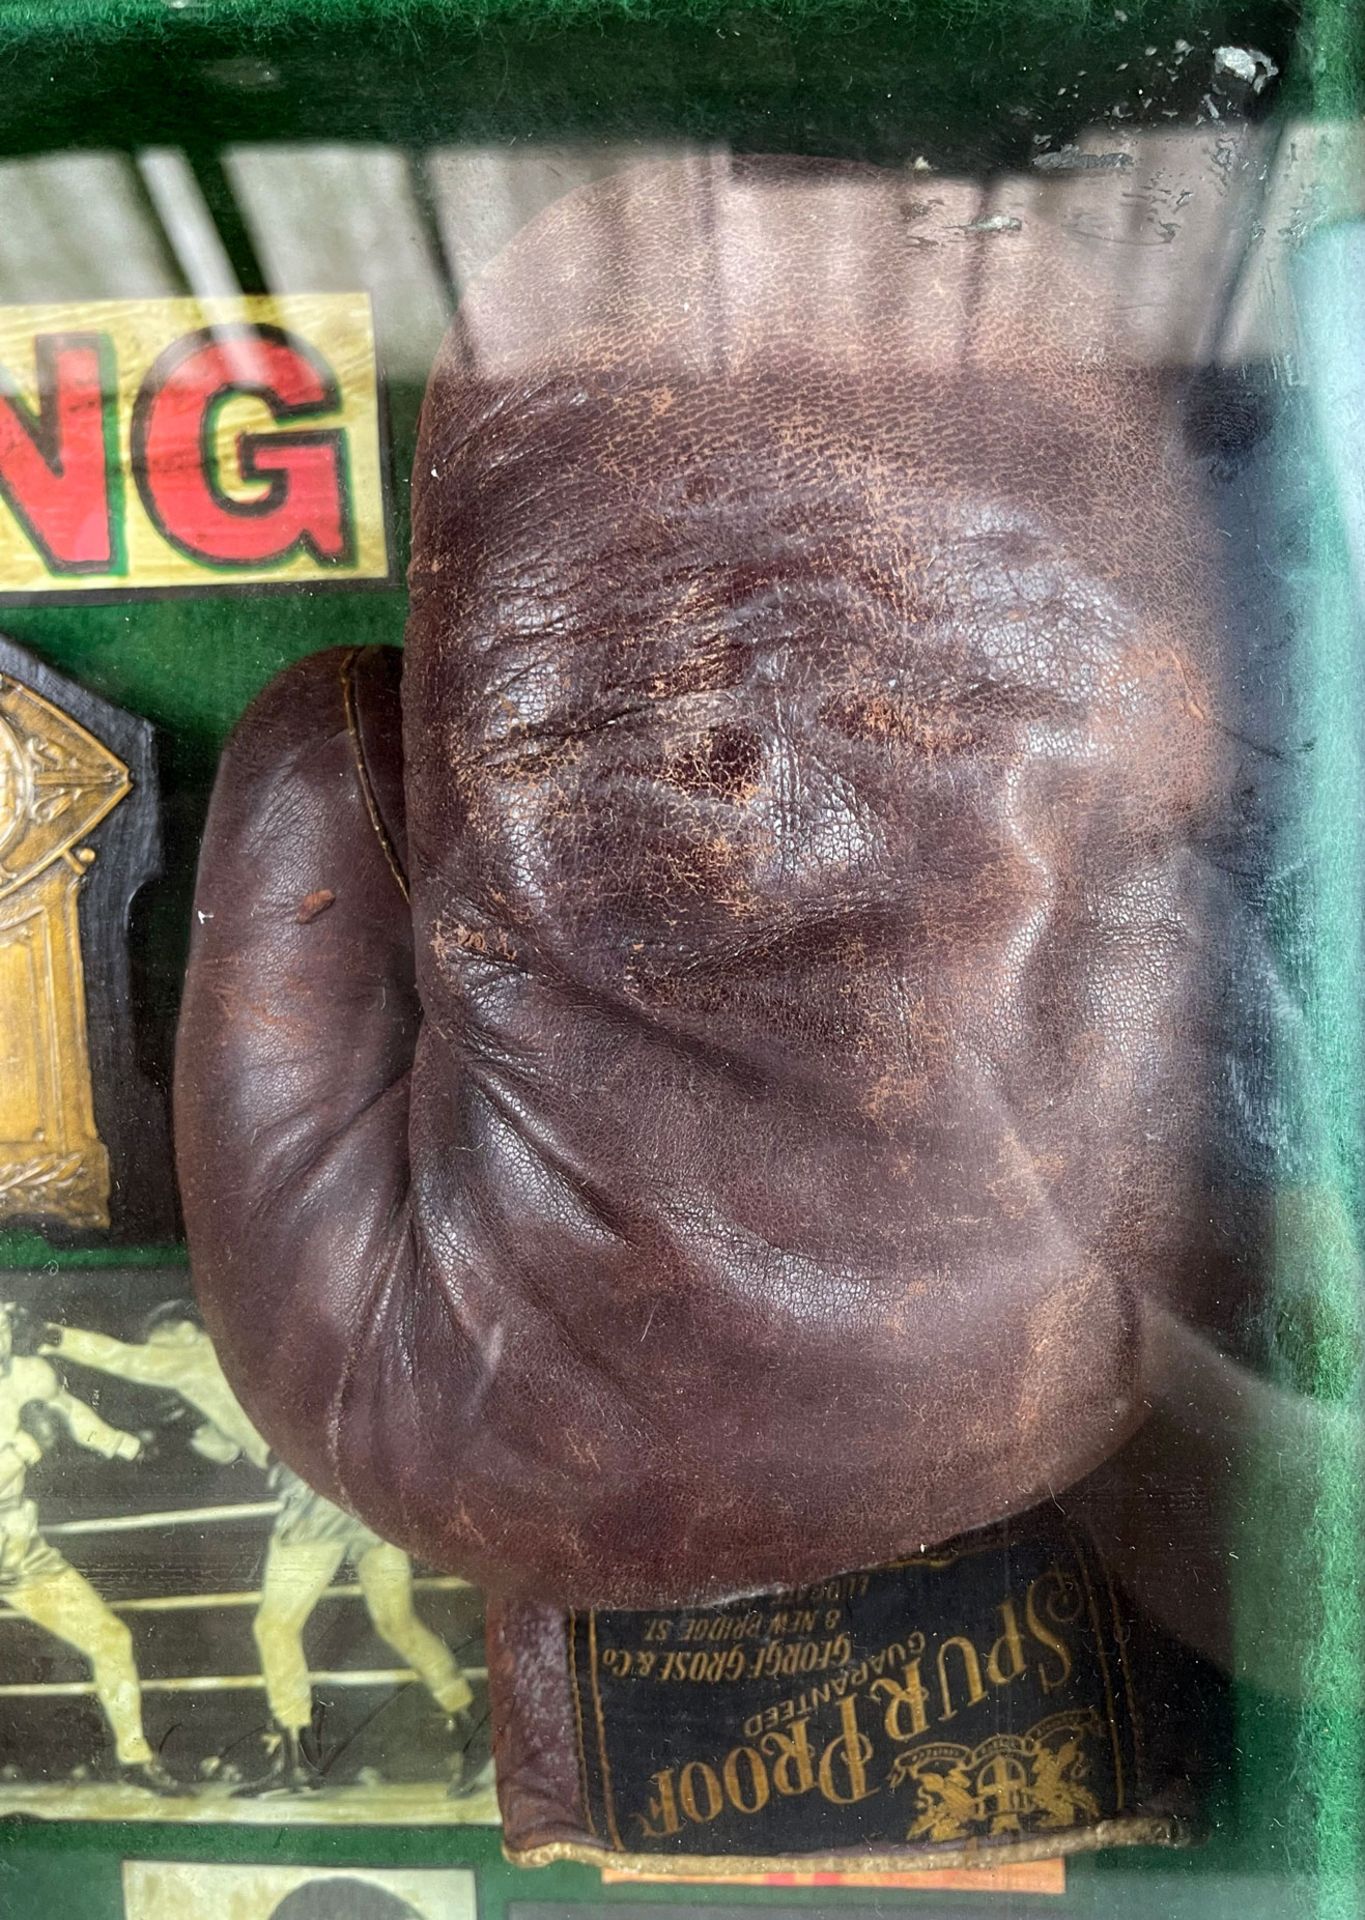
column 1011, row 1784
column 57, row 782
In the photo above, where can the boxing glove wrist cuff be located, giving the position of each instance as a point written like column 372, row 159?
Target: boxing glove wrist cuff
column 992, row 1700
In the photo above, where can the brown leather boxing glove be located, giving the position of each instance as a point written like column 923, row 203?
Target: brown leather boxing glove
column 994, row 1700
column 693, row 1107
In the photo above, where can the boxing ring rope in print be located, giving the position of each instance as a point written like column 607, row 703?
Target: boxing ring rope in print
column 181, row 1517
column 199, row 1601
column 185, row 1602
column 228, row 1682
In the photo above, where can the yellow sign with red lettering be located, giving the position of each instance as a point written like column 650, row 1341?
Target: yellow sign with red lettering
column 162, row 445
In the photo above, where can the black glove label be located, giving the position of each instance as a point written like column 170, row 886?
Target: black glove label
column 977, row 1693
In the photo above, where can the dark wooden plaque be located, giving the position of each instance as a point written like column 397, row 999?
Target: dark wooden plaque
column 84, row 1141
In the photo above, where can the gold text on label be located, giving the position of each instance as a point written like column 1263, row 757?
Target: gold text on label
column 886, row 1704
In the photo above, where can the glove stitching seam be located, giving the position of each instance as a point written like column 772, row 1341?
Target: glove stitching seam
column 367, row 792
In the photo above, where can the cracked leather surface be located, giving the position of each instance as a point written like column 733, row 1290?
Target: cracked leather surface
column 755, row 1058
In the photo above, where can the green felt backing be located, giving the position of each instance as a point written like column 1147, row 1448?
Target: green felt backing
column 1323, row 1280
column 969, row 81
